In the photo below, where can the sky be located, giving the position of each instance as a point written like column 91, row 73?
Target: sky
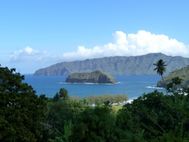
column 38, row 33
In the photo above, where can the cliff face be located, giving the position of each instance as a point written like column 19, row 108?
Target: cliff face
column 133, row 65
column 91, row 77
column 182, row 73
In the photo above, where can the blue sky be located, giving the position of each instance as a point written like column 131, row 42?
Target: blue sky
column 38, row 33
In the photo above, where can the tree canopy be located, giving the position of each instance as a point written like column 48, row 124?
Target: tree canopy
column 26, row 117
column 21, row 111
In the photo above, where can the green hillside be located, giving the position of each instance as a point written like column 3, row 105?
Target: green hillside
column 182, row 73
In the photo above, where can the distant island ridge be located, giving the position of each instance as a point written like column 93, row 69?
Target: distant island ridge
column 90, row 77
column 118, row 65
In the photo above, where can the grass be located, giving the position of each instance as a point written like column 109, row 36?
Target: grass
column 116, row 108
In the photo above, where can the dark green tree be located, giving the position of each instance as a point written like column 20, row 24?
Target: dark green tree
column 22, row 113
column 173, row 85
column 62, row 94
column 160, row 67
column 155, row 117
column 95, row 125
column 177, row 80
column 61, row 115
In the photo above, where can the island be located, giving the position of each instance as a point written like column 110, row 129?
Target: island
column 90, row 77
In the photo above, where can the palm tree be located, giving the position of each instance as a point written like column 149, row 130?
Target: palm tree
column 160, row 67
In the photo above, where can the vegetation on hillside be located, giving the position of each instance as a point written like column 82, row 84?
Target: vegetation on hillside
column 90, row 77
column 153, row 117
column 111, row 99
column 182, row 73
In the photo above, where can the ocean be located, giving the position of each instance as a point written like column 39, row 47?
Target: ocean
column 133, row 86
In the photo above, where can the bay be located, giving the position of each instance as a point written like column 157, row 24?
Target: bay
column 132, row 86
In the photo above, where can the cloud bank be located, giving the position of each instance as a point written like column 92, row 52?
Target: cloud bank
column 26, row 54
column 28, row 59
column 123, row 44
column 140, row 43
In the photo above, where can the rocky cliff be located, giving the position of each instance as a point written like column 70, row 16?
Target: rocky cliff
column 133, row 65
column 89, row 77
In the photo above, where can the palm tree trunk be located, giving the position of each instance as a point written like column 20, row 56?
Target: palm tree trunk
column 162, row 78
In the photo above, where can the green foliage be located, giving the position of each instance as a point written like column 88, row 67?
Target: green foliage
column 104, row 99
column 182, row 74
column 21, row 111
column 176, row 80
column 158, row 116
column 62, row 94
column 174, row 84
column 95, row 124
column 61, row 115
column 153, row 117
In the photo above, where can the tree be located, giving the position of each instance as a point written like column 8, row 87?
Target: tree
column 155, row 117
column 61, row 114
column 62, row 94
column 160, row 67
column 177, row 80
column 22, row 112
column 174, row 84
column 95, row 124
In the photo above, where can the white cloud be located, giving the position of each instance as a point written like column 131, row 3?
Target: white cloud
column 139, row 43
column 28, row 59
column 26, row 54
column 28, row 50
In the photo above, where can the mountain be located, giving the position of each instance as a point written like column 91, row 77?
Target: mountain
column 119, row 65
column 89, row 77
column 182, row 73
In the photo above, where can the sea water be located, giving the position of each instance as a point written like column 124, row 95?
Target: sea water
column 132, row 86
